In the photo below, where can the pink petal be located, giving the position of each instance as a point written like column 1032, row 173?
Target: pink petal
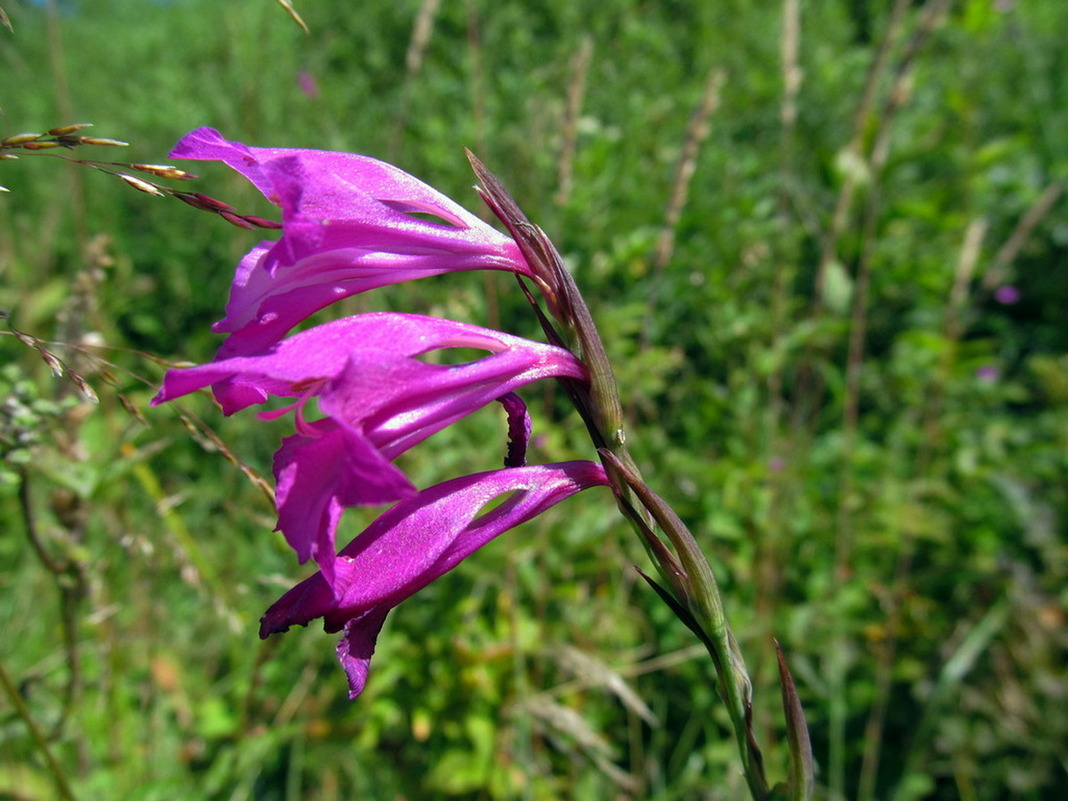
column 381, row 399
column 318, row 477
column 419, row 540
column 356, row 648
column 348, row 227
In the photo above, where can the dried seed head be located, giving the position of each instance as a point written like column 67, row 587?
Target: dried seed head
column 83, row 387
column 143, row 186
column 163, row 171
column 40, row 145
column 294, row 15
column 209, row 203
column 19, row 139
column 129, row 406
column 260, row 222
column 54, row 364
column 108, row 376
column 64, row 130
column 237, row 219
column 92, row 140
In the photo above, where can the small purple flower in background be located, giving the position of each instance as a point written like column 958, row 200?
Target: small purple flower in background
column 988, row 373
column 307, row 83
column 1007, row 295
column 414, row 543
column 350, row 224
column 379, row 399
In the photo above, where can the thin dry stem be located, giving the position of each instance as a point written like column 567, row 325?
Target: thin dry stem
column 576, row 91
column 1006, row 255
column 422, row 29
column 293, row 14
column 696, row 133
column 844, row 202
column 766, row 537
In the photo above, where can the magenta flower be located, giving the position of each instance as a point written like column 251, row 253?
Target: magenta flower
column 379, row 399
column 414, row 543
column 349, row 224
column 1007, row 295
column 307, row 83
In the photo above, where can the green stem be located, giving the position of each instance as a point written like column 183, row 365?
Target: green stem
column 36, row 735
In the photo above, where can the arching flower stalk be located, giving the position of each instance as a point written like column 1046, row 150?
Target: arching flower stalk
column 351, row 224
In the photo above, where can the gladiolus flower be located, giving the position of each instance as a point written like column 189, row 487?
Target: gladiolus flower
column 414, row 543
column 379, row 399
column 349, row 224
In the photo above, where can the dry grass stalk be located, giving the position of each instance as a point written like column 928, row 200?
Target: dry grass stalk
column 207, row 439
column 63, row 136
column 293, row 14
column 696, row 134
column 1006, row 255
column 852, row 177
column 422, row 29
column 789, row 47
column 57, row 365
column 67, row 137
column 576, row 90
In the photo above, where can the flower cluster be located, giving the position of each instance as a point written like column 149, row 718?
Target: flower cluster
column 351, row 224
column 362, row 391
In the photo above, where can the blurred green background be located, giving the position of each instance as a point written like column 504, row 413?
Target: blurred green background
column 827, row 247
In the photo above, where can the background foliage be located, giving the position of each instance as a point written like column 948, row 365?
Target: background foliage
column 829, row 261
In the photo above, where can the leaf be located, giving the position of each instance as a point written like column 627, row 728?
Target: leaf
column 802, row 775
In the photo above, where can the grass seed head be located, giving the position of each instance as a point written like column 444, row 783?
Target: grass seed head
column 164, row 171
column 142, row 186
column 65, row 130
column 92, row 140
column 19, row 139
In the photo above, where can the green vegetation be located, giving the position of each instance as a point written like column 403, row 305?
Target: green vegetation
column 830, row 263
